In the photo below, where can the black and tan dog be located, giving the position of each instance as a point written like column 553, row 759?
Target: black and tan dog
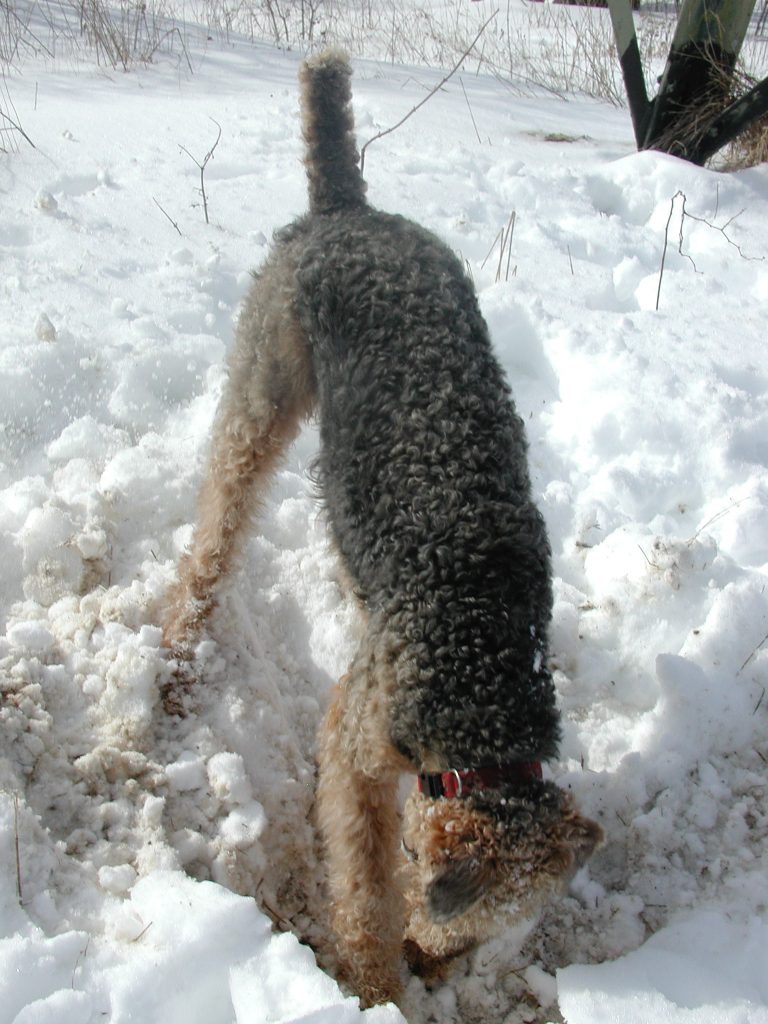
column 370, row 322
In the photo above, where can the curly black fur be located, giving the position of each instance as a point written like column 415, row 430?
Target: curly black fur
column 333, row 176
column 424, row 476
column 370, row 321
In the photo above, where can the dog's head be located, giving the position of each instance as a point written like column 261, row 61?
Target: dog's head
column 493, row 855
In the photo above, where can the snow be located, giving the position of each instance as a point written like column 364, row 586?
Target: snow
column 702, row 967
column 132, row 845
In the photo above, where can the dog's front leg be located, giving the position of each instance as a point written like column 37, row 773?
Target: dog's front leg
column 357, row 806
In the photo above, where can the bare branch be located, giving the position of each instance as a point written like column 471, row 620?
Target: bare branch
column 80, row 956
column 167, row 215
column 751, row 656
column 19, row 890
column 15, row 126
column 683, row 215
column 469, row 108
column 664, row 252
column 726, row 236
column 506, row 243
column 722, row 229
column 430, row 94
column 203, row 164
column 499, row 234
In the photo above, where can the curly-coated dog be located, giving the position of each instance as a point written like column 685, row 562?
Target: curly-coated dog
column 370, row 321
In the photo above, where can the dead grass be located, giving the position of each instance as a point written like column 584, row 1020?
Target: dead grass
column 748, row 149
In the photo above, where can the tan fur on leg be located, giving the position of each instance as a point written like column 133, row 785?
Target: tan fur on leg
column 271, row 387
column 357, row 810
column 243, row 457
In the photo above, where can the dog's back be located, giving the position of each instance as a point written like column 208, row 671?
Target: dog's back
column 422, row 464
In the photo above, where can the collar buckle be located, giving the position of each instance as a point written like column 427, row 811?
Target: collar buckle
column 459, row 782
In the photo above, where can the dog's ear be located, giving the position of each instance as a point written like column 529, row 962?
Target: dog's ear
column 457, row 886
column 578, row 839
column 585, row 836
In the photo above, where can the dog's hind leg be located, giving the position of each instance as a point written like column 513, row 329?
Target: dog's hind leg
column 359, row 820
column 242, row 456
column 269, row 390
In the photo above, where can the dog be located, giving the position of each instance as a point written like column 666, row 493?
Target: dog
column 369, row 322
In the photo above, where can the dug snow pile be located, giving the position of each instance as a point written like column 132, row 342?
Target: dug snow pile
column 132, row 845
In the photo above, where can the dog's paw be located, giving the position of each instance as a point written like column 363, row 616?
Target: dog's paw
column 430, row 967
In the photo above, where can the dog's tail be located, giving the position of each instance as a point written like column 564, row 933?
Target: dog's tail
column 335, row 181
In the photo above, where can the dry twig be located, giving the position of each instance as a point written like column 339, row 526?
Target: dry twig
column 19, row 891
column 430, row 94
column 167, row 215
column 722, row 229
column 16, row 127
column 203, row 164
column 747, row 661
column 506, row 243
column 80, row 956
column 469, row 108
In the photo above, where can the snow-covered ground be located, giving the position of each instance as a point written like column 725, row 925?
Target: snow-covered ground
column 132, row 845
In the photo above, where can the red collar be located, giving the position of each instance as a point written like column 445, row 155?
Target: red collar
column 461, row 781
